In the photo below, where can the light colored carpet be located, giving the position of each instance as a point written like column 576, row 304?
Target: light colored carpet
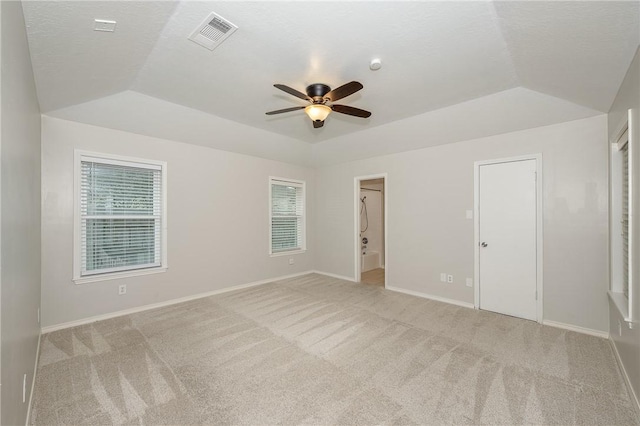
column 317, row 350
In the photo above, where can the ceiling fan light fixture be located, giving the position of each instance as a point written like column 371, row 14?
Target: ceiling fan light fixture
column 317, row 112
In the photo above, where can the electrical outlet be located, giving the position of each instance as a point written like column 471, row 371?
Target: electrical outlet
column 469, row 282
column 443, row 277
column 291, row 261
column 24, row 388
column 450, row 279
column 122, row 289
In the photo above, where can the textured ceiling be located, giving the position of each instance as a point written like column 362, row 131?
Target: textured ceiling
column 434, row 54
column 74, row 64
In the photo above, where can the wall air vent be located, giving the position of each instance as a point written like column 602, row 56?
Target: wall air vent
column 213, row 31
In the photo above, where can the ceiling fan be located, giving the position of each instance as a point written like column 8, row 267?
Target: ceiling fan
column 318, row 95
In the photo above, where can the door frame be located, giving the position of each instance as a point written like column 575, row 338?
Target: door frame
column 539, row 233
column 356, row 221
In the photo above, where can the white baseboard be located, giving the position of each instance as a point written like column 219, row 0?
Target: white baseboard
column 340, row 277
column 89, row 320
column 431, row 297
column 576, row 328
column 625, row 376
column 33, row 381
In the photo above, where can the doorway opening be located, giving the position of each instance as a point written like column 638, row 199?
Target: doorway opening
column 370, row 242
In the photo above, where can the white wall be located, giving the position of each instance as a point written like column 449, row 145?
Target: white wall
column 507, row 111
column 429, row 190
column 20, row 224
column 217, row 221
column 628, row 343
column 135, row 112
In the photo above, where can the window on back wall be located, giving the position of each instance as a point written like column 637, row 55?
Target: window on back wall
column 287, row 216
column 120, row 217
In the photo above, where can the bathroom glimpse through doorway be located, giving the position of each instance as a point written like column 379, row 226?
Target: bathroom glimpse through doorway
column 371, row 229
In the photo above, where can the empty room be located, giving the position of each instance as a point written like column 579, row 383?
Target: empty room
column 319, row 212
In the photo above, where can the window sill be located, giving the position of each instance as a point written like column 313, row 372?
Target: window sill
column 287, row 253
column 118, row 275
column 621, row 303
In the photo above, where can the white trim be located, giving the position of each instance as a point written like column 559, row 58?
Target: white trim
column 287, row 181
column 576, row 328
column 33, row 381
column 78, row 156
column 621, row 302
column 117, row 160
column 539, row 230
column 110, row 315
column 118, row 275
column 300, row 184
column 625, row 376
column 356, row 221
column 340, row 277
column 431, row 297
column 287, row 253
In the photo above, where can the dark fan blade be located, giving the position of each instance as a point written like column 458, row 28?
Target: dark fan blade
column 293, row 92
column 343, row 109
column 280, row 111
column 317, row 124
column 344, row 91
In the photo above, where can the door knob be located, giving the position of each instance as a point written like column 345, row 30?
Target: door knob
column 483, row 244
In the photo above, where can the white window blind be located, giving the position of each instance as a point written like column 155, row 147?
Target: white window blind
column 121, row 211
column 621, row 219
column 287, row 216
column 625, row 219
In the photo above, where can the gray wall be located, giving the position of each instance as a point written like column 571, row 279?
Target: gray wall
column 20, row 223
column 429, row 190
column 628, row 344
column 218, row 221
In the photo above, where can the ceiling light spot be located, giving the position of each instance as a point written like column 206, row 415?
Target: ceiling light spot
column 104, row 25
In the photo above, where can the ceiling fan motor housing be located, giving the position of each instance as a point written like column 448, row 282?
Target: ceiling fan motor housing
column 317, row 91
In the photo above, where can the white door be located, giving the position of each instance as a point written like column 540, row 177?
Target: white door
column 507, row 230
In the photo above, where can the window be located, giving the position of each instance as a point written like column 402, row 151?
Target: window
column 621, row 244
column 120, row 217
column 624, row 221
column 287, row 216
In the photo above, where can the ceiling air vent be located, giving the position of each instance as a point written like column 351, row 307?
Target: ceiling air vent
column 213, row 31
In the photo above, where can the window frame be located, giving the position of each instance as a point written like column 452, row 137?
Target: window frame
column 303, row 246
column 623, row 139
column 79, row 157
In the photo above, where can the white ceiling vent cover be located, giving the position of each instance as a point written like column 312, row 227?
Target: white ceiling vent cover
column 213, row 31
